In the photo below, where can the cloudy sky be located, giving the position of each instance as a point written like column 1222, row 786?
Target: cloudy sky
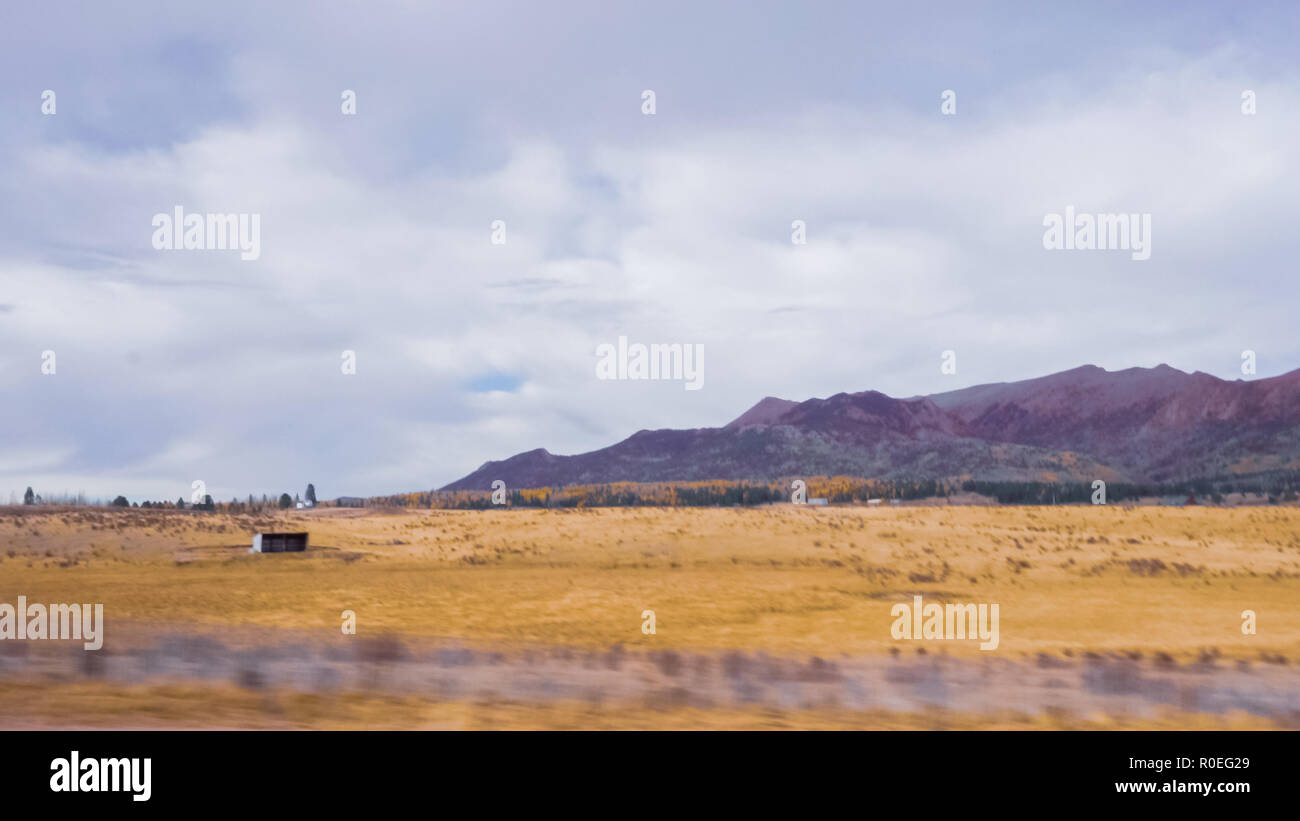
column 924, row 230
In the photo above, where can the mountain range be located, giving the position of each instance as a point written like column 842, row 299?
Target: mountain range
column 1140, row 424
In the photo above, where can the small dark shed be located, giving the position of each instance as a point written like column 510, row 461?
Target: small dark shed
column 279, row 543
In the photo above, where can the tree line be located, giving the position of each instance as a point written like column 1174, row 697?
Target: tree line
column 1274, row 487
column 207, row 503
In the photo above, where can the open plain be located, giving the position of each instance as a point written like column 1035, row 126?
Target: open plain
column 775, row 616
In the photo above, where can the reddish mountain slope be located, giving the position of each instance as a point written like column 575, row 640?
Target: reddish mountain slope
column 1141, row 423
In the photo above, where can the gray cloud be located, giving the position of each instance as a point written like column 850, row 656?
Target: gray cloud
column 924, row 232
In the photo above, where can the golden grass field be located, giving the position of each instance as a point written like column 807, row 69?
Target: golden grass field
column 790, row 582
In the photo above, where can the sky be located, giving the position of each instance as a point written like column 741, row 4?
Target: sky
column 924, row 230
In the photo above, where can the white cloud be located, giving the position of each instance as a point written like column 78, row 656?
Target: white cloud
column 923, row 235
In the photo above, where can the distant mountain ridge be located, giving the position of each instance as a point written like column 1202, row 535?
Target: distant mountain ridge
column 1138, row 424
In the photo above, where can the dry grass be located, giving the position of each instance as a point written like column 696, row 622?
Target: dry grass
column 98, row 706
column 786, row 580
